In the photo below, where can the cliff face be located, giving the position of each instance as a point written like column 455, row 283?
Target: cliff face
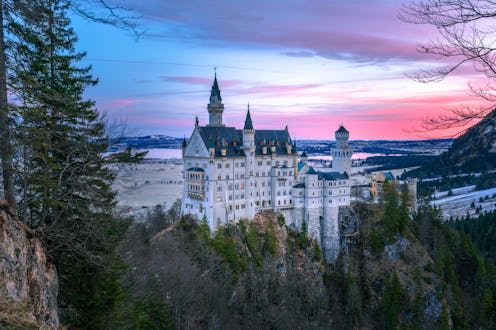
column 28, row 282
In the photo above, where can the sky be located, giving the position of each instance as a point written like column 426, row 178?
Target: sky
column 311, row 65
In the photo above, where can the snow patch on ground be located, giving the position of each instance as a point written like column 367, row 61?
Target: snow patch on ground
column 459, row 205
column 144, row 185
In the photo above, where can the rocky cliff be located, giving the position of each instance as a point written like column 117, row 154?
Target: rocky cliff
column 28, row 281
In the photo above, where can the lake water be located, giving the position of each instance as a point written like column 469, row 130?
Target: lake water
column 177, row 153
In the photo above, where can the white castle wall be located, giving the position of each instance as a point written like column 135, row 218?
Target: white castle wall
column 330, row 233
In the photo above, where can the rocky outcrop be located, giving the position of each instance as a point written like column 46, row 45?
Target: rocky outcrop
column 28, row 281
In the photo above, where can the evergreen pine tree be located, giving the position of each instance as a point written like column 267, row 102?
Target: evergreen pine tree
column 270, row 239
column 392, row 300
column 391, row 217
column 444, row 319
column 418, row 301
column 65, row 178
column 487, row 309
column 252, row 238
column 403, row 207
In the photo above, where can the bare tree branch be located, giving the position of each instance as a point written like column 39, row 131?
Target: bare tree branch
column 467, row 35
column 118, row 16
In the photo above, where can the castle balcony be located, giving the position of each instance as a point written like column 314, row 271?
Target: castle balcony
column 284, row 208
column 195, row 174
column 196, row 195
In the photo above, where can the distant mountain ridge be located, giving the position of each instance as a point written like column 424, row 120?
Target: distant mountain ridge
column 320, row 147
column 474, row 151
column 148, row 141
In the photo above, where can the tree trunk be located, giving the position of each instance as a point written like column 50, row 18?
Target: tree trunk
column 5, row 145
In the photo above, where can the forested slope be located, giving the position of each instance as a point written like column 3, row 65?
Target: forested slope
column 474, row 151
column 413, row 271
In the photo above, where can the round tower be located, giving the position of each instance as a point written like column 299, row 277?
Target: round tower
column 342, row 135
column 341, row 154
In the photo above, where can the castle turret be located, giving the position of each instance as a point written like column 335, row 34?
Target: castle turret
column 184, row 145
column 215, row 107
column 304, row 157
column 341, row 154
column 248, row 131
column 249, row 149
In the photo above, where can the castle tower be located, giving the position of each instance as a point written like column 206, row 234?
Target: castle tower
column 249, row 149
column 248, row 131
column 341, row 154
column 184, row 145
column 215, row 107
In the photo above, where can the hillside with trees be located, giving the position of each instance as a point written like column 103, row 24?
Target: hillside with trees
column 400, row 270
column 474, row 151
column 482, row 232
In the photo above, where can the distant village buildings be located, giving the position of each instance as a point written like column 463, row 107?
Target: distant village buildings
column 377, row 182
column 231, row 174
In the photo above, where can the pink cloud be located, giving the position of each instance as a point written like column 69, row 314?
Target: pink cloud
column 275, row 89
column 358, row 32
column 378, row 121
column 362, row 31
column 118, row 104
column 454, row 98
column 163, row 122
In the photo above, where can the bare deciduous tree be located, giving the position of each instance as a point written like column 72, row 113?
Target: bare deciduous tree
column 467, row 36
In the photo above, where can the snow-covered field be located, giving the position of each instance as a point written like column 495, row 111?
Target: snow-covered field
column 148, row 184
column 459, row 204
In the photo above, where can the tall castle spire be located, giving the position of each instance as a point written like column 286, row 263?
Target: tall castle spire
column 215, row 107
column 248, row 122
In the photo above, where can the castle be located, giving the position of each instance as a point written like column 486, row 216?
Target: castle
column 231, row 174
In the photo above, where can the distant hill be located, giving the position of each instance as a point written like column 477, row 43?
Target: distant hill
column 474, row 151
column 148, row 141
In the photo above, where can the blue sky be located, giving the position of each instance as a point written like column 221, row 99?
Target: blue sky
column 311, row 65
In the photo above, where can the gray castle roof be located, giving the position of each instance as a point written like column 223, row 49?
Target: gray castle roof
column 311, row 171
column 219, row 137
column 341, row 129
column 332, row 176
column 389, row 176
